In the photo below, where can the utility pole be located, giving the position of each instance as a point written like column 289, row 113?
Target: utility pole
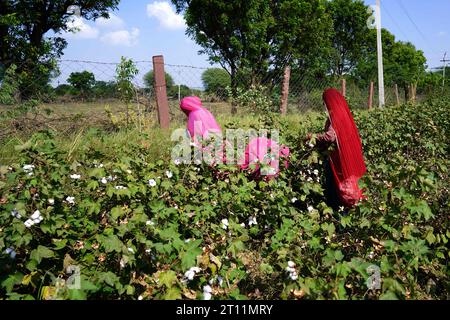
column 443, row 70
column 380, row 56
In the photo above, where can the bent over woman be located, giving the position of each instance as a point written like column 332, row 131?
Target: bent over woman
column 345, row 165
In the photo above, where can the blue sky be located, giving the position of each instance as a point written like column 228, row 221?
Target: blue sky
column 140, row 29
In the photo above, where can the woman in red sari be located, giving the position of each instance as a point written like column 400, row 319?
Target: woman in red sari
column 345, row 165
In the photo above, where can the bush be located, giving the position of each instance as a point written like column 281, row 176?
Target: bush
column 135, row 228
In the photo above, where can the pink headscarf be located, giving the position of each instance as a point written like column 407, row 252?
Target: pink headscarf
column 200, row 121
column 266, row 151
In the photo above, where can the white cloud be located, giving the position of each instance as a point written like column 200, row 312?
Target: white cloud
column 114, row 22
column 121, row 38
column 442, row 33
column 167, row 17
column 79, row 29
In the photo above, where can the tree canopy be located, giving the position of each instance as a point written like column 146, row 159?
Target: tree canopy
column 23, row 28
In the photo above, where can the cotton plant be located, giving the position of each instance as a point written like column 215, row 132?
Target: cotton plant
column 225, row 224
column 291, row 269
column 190, row 274
column 70, row 200
column 11, row 252
column 36, row 218
column 28, row 169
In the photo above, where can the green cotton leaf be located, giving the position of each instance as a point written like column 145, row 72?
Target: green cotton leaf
column 422, row 209
column 389, row 295
column 111, row 243
column 235, row 247
column 93, row 185
column 167, row 278
column 189, row 257
column 40, row 253
column 11, row 281
column 173, row 293
column 338, row 255
column 109, row 278
column 77, row 295
column 116, row 213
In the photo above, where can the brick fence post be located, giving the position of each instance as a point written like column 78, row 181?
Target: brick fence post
column 161, row 92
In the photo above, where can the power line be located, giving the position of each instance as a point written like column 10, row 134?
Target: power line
column 414, row 24
column 395, row 21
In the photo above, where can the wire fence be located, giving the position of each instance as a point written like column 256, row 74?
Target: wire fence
column 305, row 92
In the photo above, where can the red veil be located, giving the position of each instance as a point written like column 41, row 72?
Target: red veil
column 347, row 161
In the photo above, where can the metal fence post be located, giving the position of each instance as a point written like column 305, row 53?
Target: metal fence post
column 161, row 92
column 285, row 90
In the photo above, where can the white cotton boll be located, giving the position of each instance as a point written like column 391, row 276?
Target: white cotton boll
column 290, row 269
column 28, row 167
column 196, row 269
column 75, row 176
column 169, row 174
column 140, row 298
column 130, row 250
column 207, row 296
column 294, row 277
column 316, row 172
column 291, row 264
column 294, row 200
column 36, row 215
column 8, row 251
column 310, row 209
column 29, row 223
column 70, row 200
column 30, row 174
column 190, row 275
column 225, row 224
column 51, row 201
column 207, row 289
column 122, row 263
column 104, row 180
column 148, row 250
column 243, row 225
column 129, row 172
column 252, row 221
column 152, row 183
column 150, row 223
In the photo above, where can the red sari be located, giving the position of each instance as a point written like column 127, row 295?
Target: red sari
column 347, row 161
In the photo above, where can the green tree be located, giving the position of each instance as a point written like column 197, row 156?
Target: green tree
column 406, row 66
column 216, row 80
column 82, row 82
column 24, row 26
column 149, row 80
column 125, row 73
column 350, row 36
column 255, row 37
column 105, row 89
